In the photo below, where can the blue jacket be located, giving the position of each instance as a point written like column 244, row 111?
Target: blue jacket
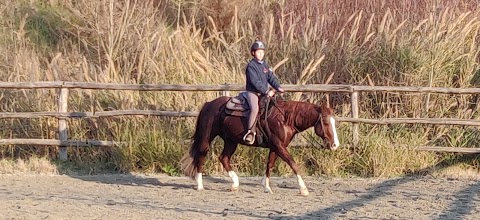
column 259, row 75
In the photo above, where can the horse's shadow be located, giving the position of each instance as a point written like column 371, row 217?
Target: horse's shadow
column 130, row 179
column 227, row 180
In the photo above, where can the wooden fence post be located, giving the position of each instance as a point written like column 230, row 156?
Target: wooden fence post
column 355, row 132
column 62, row 122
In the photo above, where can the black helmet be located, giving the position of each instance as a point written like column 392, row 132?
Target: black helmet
column 258, row 45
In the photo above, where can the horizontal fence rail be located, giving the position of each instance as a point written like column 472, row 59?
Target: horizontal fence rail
column 62, row 114
column 116, row 113
column 232, row 87
column 97, row 114
column 464, row 150
column 53, row 142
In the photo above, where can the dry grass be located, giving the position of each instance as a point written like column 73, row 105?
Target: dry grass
column 458, row 172
column 381, row 42
column 32, row 165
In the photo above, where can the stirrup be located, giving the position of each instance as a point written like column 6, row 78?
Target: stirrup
column 246, row 135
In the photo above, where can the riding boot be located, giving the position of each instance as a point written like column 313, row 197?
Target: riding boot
column 249, row 137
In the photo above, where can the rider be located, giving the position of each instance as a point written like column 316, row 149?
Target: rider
column 259, row 75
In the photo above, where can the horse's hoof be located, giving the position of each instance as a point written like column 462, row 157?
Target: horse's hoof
column 234, row 189
column 200, row 188
column 304, row 192
column 268, row 191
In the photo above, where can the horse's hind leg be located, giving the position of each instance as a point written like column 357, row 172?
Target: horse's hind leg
column 199, row 164
column 228, row 150
column 204, row 146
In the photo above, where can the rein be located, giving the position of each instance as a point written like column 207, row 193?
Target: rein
column 320, row 117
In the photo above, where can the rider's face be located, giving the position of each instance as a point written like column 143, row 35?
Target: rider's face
column 259, row 54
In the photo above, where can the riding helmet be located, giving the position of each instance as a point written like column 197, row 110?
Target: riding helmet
column 258, row 45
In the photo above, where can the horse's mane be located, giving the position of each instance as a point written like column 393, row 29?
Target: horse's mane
column 297, row 112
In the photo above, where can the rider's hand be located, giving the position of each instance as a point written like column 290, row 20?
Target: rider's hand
column 281, row 90
column 271, row 93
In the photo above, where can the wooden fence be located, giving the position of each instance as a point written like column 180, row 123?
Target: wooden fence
column 62, row 114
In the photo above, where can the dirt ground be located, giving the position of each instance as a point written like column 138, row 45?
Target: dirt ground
column 162, row 197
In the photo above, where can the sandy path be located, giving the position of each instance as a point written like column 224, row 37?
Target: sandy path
column 162, row 197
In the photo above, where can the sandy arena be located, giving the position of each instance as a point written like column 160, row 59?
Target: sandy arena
column 163, row 197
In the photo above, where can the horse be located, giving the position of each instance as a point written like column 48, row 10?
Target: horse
column 276, row 125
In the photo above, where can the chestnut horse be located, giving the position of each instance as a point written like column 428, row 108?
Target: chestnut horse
column 276, row 125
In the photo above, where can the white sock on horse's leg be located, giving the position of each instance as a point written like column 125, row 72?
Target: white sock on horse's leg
column 234, row 177
column 198, row 178
column 301, row 183
column 303, row 188
column 266, row 184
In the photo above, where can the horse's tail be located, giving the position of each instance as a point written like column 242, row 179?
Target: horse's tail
column 201, row 142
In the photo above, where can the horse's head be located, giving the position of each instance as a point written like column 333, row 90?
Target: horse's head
column 325, row 127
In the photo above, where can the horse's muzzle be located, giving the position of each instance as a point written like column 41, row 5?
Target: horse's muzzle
column 333, row 146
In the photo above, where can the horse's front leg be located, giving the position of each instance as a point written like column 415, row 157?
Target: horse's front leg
column 283, row 153
column 272, row 157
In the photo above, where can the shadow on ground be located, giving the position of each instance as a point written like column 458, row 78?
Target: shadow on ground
column 461, row 207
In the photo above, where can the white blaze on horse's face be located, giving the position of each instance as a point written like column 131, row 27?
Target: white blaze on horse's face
column 336, row 143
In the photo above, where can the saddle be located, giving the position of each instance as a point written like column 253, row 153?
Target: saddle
column 238, row 105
